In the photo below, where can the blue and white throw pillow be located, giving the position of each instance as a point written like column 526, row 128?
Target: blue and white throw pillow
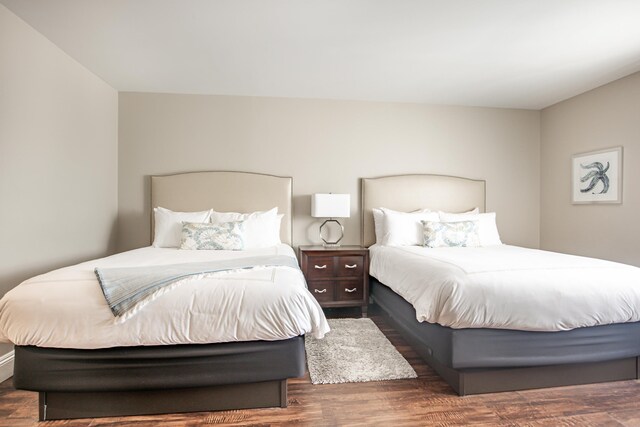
column 459, row 233
column 227, row 236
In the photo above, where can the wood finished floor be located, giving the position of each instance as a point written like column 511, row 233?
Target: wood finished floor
column 425, row 401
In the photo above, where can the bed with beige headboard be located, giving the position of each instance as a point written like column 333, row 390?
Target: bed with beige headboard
column 174, row 378
column 489, row 360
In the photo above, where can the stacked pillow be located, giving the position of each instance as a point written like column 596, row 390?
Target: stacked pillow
column 227, row 236
column 434, row 229
column 216, row 230
column 450, row 234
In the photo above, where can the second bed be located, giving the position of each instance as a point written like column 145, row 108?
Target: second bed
column 500, row 318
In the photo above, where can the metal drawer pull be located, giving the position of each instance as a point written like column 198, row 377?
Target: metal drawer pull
column 350, row 290
column 320, row 267
column 318, row 291
column 351, row 266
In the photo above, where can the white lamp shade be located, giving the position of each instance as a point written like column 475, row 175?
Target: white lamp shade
column 331, row 205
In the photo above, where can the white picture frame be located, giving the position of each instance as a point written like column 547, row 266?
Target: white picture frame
column 597, row 176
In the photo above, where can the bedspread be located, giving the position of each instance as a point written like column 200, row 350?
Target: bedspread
column 126, row 289
column 509, row 287
column 65, row 308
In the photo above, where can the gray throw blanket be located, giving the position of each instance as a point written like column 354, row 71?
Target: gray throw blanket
column 123, row 288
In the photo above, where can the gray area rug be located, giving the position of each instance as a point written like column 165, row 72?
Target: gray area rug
column 354, row 351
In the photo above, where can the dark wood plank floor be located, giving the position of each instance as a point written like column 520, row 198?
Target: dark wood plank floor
column 425, row 401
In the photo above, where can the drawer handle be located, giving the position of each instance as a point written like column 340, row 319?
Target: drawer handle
column 320, row 267
column 318, row 291
column 350, row 290
column 351, row 266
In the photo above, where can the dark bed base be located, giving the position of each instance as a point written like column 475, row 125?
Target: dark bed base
column 162, row 379
column 477, row 381
column 62, row 405
column 470, row 381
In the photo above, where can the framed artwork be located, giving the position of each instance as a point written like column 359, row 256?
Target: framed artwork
column 597, row 176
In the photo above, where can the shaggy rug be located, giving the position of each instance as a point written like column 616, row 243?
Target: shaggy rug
column 354, row 351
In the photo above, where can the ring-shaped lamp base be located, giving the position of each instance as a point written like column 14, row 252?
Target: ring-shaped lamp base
column 331, row 243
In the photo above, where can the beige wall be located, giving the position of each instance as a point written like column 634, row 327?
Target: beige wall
column 604, row 117
column 327, row 146
column 58, row 157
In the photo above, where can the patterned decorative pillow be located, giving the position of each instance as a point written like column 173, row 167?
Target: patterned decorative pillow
column 226, row 236
column 459, row 233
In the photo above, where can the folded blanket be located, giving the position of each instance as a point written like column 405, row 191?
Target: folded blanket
column 124, row 288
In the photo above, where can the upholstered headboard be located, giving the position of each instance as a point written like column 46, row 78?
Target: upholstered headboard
column 410, row 192
column 225, row 191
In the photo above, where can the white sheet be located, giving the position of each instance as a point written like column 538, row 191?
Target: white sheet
column 66, row 309
column 509, row 287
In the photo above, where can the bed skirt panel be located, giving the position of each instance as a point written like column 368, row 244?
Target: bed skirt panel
column 157, row 367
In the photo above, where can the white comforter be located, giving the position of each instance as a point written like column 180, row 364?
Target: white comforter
column 509, row 287
column 66, row 308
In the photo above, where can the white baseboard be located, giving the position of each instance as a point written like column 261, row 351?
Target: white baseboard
column 6, row 365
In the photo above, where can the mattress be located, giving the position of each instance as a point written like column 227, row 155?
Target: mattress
column 508, row 287
column 65, row 308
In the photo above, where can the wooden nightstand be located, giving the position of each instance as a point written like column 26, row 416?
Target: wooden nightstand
column 337, row 277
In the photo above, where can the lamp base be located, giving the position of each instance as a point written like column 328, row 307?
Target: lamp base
column 331, row 243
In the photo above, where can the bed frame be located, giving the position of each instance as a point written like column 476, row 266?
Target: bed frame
column 153, row 380
column 455, row 194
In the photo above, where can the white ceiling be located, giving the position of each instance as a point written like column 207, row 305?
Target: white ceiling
column 502, row 53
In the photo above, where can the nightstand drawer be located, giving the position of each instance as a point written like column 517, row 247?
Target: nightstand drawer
column 347, row 290
column 322, row 290
column 350, row 266
column 319, row 267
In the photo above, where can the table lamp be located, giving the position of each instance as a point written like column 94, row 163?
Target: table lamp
column 331, row 206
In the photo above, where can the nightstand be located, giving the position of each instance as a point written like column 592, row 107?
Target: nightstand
column 337, row 276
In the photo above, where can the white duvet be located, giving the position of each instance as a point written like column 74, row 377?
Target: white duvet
column 509, row 287
column 66, row 308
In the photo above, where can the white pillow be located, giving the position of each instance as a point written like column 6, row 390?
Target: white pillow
column 262, row 231
column 237, row 216
column 261, row 228
column 404, row 228
column 378, row 218
column 487, row 228
column 168, row 225
column 378, row 221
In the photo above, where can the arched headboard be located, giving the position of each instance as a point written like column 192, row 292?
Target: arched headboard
column 225, row 191
column 410, row 192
